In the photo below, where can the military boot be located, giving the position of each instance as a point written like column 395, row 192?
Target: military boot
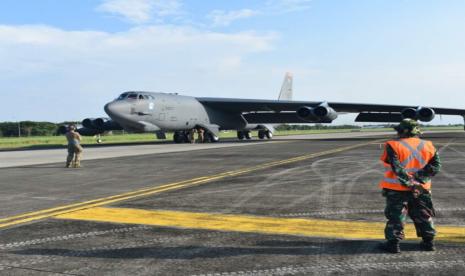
column 427, row 245
column 391, row 246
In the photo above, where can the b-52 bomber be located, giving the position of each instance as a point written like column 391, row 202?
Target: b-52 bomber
column 138, row 111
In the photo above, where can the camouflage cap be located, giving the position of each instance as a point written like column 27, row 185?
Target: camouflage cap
column 408, row 126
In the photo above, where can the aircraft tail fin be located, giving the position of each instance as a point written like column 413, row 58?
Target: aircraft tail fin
column 286, row 89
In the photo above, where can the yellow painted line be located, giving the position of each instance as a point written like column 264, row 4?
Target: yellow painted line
column 254, row 224
column 46, row 213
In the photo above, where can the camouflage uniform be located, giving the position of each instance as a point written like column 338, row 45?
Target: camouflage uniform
column 399, row 204
column 420, row 210
column 191, row 136
column 74, row 149
column 201, row 133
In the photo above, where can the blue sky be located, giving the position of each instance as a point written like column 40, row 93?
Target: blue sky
column 63, row 60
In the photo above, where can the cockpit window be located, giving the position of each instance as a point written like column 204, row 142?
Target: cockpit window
column 132, row 96
column 122, row 96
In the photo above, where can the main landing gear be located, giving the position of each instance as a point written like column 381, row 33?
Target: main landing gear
column 241, row 135
column 183, row 137
column 262, row 134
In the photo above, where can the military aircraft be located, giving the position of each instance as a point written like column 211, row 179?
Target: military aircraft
column 138, row 111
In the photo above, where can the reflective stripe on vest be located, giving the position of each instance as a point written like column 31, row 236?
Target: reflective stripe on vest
column 412, row 158
column 414, row 154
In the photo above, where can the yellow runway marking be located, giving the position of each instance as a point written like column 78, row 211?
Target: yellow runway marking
column 254, row 224
column 46, row 213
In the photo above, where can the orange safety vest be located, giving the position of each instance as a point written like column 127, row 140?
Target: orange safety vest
column 414, row 154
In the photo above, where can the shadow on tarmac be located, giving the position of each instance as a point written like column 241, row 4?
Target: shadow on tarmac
column 271, row 247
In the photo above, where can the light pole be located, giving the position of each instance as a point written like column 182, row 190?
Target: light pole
column 19, row 128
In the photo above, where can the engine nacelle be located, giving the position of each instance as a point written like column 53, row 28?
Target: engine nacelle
column 89, row 123
column 320, row 114
column 424, row 114
column 101, row 124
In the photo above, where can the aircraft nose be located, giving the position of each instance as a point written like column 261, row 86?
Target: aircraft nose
column 114, row 109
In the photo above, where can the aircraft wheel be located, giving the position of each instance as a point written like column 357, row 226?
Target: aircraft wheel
column 212, row 138
column 178, row 137
column 248, row 135
column 240, row 135
column 269, row 134
column 261, row 134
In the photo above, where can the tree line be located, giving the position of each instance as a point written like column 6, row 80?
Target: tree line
column 28, row 128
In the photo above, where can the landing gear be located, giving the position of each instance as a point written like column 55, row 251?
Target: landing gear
column 262, row 134
column 181, row 137
column 248, row 135
column 212, row 138
column 240, row 135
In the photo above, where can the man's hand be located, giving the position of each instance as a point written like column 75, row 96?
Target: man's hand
column 417, row 188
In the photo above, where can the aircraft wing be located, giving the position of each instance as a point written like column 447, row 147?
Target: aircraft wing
column 278, row 111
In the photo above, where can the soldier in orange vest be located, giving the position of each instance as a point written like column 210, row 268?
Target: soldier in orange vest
column 409, row 164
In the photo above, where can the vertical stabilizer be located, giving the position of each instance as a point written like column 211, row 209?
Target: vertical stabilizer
column 286, row 89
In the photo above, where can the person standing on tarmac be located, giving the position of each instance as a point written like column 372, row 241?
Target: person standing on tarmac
column 191, row 136
column 201, row 135
column 409, row 163
column 74, row 148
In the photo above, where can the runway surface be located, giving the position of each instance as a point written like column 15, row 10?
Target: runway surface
column 44, row 156
column 297, row 206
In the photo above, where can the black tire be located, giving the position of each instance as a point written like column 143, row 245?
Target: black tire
column 212, row 138
column 240, row 135
column 178, row 138
column 261, row 134
column 269, row 135
column 248, row 135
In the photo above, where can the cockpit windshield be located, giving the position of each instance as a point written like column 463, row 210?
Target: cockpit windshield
column 134, row 96
column 122, row 97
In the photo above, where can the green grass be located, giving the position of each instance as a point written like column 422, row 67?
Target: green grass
column 59, row 141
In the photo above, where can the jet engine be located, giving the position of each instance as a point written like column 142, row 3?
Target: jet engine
column 84, row 131
column 101, row 124
column 424, row 114
column 320, row 114
column 89, row 123
column 106, row 124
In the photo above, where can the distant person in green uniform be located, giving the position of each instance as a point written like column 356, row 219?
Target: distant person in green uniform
column 74, row 148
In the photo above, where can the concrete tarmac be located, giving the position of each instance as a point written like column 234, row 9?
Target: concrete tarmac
column 292, row 207
column 17, row 158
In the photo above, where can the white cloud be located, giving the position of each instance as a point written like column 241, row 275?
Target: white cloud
column 284, row 6
column 271, row 7
column 225, row 18
column 140, row 11
column 55, row 74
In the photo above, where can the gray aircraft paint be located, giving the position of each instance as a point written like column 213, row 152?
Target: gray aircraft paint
column 162, row 112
